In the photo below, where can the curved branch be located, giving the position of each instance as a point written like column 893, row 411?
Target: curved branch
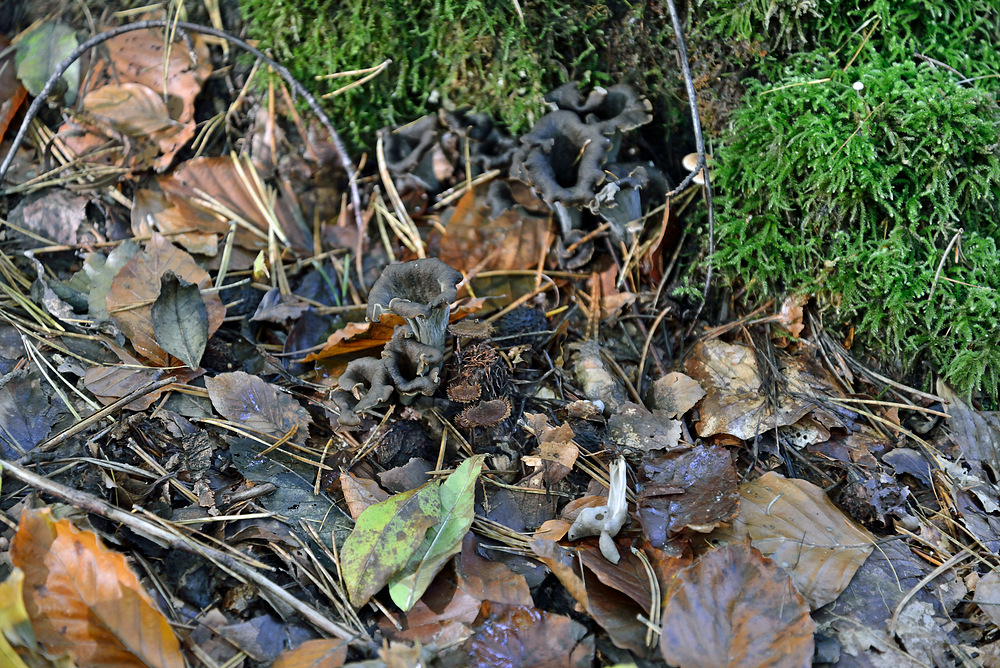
column 282, row 71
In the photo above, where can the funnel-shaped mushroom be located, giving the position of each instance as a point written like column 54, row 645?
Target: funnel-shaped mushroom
column 561, row 158
column 414, row 367
column 363, row 385
column 420, row 292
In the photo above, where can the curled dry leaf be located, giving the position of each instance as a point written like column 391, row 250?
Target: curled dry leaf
column 359, row 493
column 637, row 431
column 84, row 599
column 795, row 524
column 132, row 109
column 322, row 653
column 737, row 609
column 676, row 394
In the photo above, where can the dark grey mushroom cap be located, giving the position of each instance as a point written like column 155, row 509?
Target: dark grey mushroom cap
column 345, row 402
column 413, row 289
column 562, row 158
column 408, row 151
column 367, row 380
column 615, row 109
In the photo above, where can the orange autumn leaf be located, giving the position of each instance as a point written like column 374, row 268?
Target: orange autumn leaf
column 84, row 599
column 358, row 336
column 322, row 653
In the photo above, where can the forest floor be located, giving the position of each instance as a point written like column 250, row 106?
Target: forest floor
column 231, row 437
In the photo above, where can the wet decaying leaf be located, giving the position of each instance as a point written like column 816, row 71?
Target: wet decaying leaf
column 85, row 600
column 975, row 432
column 55, row 215
column 27, row 413
column 735, row 608
column 294, row 499
column 257, row 405
column 693, row 490
column 858, row 619
column 519, row 636
column 795, row 524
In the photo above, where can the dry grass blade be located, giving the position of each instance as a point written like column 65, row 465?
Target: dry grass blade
column 408, row 225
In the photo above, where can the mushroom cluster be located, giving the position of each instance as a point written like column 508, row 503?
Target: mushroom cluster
column 430, row 154
column 569, row 159
column 420, row 293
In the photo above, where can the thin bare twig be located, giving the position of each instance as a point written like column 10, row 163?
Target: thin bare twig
column 153, row 531
column 699, row 141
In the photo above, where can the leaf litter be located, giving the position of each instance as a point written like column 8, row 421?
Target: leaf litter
column 542, row 482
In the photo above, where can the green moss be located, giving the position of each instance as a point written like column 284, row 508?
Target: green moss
column 825, row 188
column 476, row 53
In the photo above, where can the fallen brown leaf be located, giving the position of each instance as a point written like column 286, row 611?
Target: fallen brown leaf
column 84, row 599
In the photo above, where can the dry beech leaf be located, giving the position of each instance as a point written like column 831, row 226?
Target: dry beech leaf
column 84, row 599
column 359, row 493
column 186, row 226
column 322, row 653
column 734, row 608
column 513, row 240
column 489, row 580
column 676, row 394
column 138, row 57
column 794, row 523
column 135, row 289
column 209, row 184
column 132, row 109
column 255, row 404
column 734, row 403
column 442, row 615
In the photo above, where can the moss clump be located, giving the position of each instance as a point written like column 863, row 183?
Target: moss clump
column 859, row 193
column 477, row 53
